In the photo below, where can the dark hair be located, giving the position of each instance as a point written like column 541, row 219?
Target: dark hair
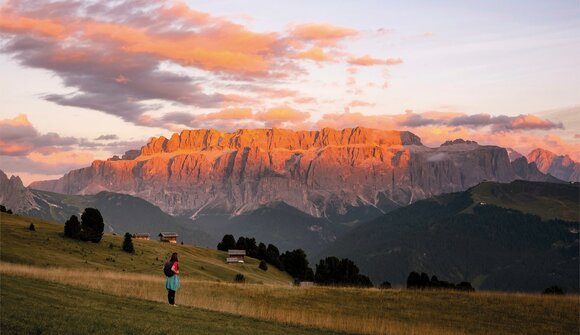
column 174, row 257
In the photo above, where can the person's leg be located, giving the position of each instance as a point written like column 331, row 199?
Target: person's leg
column 171, row 296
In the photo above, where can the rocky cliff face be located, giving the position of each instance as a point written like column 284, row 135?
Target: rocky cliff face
column 14, row 195
column 318, row 172
column 561, row 167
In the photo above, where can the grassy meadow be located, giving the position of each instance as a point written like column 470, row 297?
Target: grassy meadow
column 129, row 294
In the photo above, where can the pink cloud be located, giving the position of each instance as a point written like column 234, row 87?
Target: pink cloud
column 436, row 127
column 359, row 103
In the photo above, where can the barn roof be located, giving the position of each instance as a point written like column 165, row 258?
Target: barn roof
column 168, row 234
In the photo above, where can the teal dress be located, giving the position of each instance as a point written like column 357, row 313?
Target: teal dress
column 172, row 283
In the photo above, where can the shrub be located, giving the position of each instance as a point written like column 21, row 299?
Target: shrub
column 385, row 285
column 263, row 265
column 72, row 227
column 128, row 243
column 554, row 290
column 239, row 278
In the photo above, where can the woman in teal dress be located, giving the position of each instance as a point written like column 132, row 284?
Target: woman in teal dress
column 172, row 282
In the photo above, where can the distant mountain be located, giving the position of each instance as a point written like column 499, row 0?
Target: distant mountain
column 521, row 236
column 121, row 213
column 530, row 172
column 513, row 155
column 14, row 195
column 327, row 173
column 561, row 167
column 278, row 223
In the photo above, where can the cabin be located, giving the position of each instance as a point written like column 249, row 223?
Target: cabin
column 141, row 236
column 235, row 256
column 168, row 237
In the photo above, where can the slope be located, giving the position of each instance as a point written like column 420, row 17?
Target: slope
column 466, row 236
column 122, row 213
column 47, row 247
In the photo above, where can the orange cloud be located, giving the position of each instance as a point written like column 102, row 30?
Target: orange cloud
column 63, row 157
column 315, row 54
column 281, row 114
column 20, row 24
column 322, row 35
column 367, row 60
column 434, row 128
column 21, row 120
column 531, row 122
column 228, row 48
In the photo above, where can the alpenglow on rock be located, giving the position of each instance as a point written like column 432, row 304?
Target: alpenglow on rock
column 318, row 172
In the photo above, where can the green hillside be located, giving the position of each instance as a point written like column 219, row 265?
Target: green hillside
column 47, row 247
column 468, row 236
column 277, row 223
column 547, row 200
column 53, row 285
column 121, row 212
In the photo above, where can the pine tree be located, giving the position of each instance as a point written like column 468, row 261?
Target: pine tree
column 72, row 227
column 92, row 225
column 128, row 243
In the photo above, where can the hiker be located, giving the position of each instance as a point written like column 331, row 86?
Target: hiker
column 171, row 270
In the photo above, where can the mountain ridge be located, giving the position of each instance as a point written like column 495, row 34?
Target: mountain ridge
column 322, row 173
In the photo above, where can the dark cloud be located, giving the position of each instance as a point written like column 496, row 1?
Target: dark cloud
column 107, row 137
column 417, row 120
column 504, row 123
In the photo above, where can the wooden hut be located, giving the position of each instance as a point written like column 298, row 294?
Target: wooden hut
column 168, row 237
column 141, row 236
column 235, row 256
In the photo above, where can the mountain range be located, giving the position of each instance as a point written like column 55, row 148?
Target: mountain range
column 521, row 236
column 326, row 174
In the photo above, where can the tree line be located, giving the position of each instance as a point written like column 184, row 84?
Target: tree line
column 422, row 281
column 329, row 271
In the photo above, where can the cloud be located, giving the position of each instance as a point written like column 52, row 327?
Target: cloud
column 321, row 34
column 107, row 137
column 18, row 138
column 522, row 133
column 129, row 58
column 504, row 123
column 367, row 60
column 359, row 103
column 316, row 54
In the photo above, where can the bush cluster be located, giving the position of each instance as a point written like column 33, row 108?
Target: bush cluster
column 3, row 209
column 90, row 228
column 343, row 272
column 422, row 281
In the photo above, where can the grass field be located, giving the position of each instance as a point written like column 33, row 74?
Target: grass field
column 31, row 306
column 271, row 304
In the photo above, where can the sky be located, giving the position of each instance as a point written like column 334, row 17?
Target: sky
column 86, row 80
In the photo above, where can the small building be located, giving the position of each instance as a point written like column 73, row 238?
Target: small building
column 141, row 236
column 235, row 256
column 168, row 237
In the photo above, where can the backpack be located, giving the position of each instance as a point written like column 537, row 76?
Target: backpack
column 167, row 269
